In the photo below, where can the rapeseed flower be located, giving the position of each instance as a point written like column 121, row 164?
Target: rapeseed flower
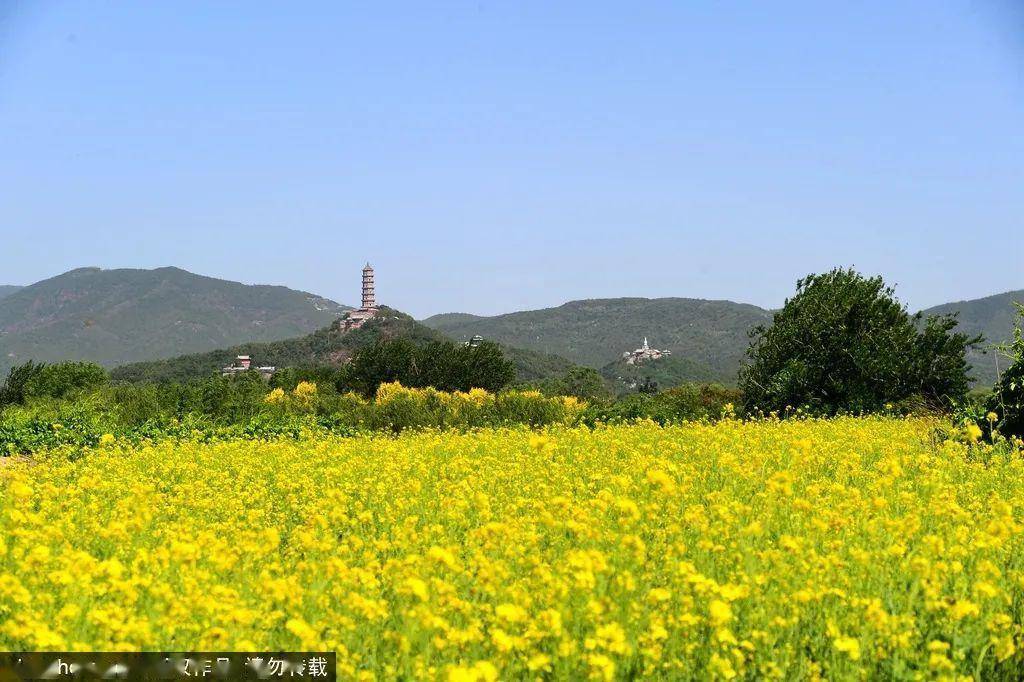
column 732, row 550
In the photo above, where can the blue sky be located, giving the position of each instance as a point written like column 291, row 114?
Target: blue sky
column 489, row 157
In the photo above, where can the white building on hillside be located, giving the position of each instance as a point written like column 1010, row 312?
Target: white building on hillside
column 643, row 354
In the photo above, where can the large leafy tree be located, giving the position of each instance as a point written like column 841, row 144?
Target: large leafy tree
column 844, row 343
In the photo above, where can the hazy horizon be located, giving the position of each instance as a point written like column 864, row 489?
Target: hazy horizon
column 354, row 302
column 489, row 158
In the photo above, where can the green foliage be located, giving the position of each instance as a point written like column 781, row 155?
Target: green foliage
column 689, row 402
column 584, row 383
column 1007, row 400
column 63, row 378
column 334, row 376
column 440, row 364
column 15, row 388
column 843, row 343
column 38, row 380
column 244, row 405
column 532, row 365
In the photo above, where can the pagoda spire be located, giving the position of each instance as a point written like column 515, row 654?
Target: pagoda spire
column 369, row 296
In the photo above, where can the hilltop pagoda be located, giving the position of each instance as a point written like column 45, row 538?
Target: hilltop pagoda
column 356, row 318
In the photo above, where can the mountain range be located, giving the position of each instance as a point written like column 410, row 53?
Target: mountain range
column 117, row 317
column 711, row 336
column 993, row 318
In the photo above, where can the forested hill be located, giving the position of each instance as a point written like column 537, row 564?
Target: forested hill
column 711, row 336
column 118, row 316
column 329, row 345
column 991, row 316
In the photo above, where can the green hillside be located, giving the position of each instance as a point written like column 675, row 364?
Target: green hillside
column 329, row 345
column 533, row 365
column 992, row 317
column 7, row 289
column 595, row 332
column 118, row 316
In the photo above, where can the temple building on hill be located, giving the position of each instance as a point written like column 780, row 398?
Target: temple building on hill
column 243, row 363
column 643, row 354
column 356, row 318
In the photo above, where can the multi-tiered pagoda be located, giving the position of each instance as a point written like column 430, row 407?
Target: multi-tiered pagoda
column 356, row 318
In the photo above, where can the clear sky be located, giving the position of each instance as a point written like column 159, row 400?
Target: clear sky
column 488, row 157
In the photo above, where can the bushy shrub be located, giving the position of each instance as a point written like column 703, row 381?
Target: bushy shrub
column 583, row 383
column 49, row 423
column 396, row 407
column 442, row 365
column 64, row 378
column 14, row 390
column 332, row 376
column 687, row 402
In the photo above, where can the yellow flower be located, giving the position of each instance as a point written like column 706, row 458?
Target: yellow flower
column 541, row 443
column 482, row 671
column 511, row 613
column 661, row 480
column 302, row 630
column 721, row 668
column 417, row 588
column 476, row 555
column 20, row 489
column 719, row 613
column 305, row 391
column 964, row 609
column 658, row 595
column 539, row 662
column 443, row 557
column 848, row 646
column 602, row 667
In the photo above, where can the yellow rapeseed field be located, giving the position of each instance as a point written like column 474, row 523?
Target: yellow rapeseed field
column 845, row 548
